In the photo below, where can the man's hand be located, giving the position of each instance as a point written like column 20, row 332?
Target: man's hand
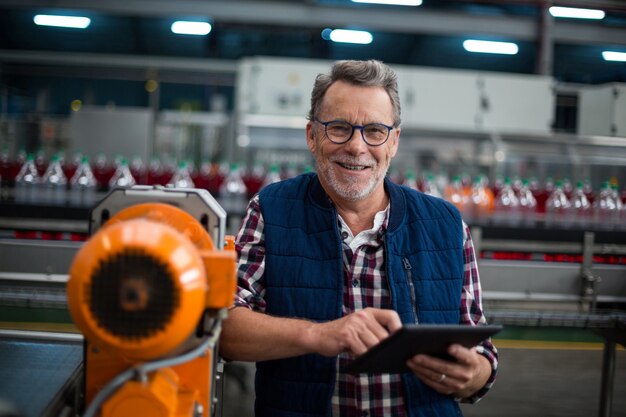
column 354, row 333
column 462, row 378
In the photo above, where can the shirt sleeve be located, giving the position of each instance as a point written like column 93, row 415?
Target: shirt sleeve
column 250, row 247
column 472, row 311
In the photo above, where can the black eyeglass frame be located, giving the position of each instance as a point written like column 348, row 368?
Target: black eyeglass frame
column 354, row 127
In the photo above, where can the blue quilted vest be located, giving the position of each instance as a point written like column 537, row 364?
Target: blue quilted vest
column 304, row 278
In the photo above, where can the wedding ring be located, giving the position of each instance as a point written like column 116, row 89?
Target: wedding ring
column 441, row 378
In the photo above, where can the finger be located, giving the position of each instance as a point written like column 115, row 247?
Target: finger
column 432, row 368
column 440, row 382
column 462, row 354
column 357, row 347
column 373, row 335
column 388, row 319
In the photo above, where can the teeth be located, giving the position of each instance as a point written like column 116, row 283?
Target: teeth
column 352, row 167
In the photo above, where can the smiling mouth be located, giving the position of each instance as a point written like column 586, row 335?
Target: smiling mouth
column 352, row 167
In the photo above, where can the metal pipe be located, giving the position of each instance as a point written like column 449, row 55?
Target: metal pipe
column 608, row 377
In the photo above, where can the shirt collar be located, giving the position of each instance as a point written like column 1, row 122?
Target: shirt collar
column 371, row 236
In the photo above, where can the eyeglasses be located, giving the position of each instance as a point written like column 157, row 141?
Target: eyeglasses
column 339, row 131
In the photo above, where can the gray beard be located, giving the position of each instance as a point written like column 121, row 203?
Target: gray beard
column 348, row 189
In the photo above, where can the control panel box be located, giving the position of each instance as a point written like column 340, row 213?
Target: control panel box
column 602, row 110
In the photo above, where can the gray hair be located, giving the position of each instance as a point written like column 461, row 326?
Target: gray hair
column 369, row 73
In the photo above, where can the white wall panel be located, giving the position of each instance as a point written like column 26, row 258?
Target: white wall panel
column 125, row 131
column 514, row 103
column 438, row 99
column 602, row 110
column 277, row 86
column 432, row 98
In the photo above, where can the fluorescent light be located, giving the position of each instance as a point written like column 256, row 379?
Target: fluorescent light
column 490, row 47
column 391, row 2
column 576, row 13
column 182, row 27
column 614, row 56
column 77, row 22
column 351, row 36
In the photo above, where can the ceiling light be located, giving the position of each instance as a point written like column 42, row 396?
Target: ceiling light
column 614, row 56
column 182, row 27
column 391, row 2
column 351, row 36
column 76, row 22
column 576, row 13
column 490, row 47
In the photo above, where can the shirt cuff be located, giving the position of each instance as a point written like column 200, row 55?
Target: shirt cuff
column 493, row 360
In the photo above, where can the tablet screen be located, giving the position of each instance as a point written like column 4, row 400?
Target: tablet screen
column 390, row 355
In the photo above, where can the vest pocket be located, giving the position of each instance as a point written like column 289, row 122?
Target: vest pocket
column 408, row 273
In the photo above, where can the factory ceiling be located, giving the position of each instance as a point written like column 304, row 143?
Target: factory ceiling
column 129, row 37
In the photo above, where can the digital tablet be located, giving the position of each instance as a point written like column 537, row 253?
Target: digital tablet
column 390, row 355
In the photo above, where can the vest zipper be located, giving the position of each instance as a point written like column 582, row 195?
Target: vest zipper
column 409, row 278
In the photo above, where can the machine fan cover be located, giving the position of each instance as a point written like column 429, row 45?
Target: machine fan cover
column 134, row 287
column 133, row 295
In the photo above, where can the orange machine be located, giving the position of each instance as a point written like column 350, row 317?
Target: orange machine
column 149, row 290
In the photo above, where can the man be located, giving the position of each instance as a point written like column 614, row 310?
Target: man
column 331, row 264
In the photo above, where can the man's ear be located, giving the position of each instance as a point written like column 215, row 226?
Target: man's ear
column 395, row 139
column 311, row 143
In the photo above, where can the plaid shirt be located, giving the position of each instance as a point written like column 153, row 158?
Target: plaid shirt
column 364, row 286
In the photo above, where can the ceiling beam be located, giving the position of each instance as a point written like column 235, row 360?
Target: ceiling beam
column 216, row 66
column 313, row 15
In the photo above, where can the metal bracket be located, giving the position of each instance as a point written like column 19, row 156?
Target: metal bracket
column 589, row 293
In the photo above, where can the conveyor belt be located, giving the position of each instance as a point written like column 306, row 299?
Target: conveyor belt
column 38, row 375
column 611, row 326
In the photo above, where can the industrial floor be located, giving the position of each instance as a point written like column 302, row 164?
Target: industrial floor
column 544, row 381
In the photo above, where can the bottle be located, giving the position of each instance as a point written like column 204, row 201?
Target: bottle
column 103, row 172
column 604, row 208
column 568, row 189
column 6, row 168
column 54, row 183
column 557, row 208
column 27, row 182
column 430, row 187
column 506, row 207
column 254, row 179
column 40, row 162
column 527, row 204
column 233, row 192
column 181, row 177
column 122, row 176
column 154, row 175
column 201, row 177
column 410, row 180
column 498, row 184
column 272, row 176
column 618, row 206
column 588, row 189
column 481, row 198
column 456, row 194
column 219, row 171
column 580, row 208
column 70, row 165
column 542, row 196
column 138, row 170
column 83, row 185
column 441, row 180
column 19, row 161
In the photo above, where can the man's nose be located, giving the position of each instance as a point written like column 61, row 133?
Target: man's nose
column 356, row 143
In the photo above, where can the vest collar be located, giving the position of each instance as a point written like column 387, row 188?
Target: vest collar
column 396, row 199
